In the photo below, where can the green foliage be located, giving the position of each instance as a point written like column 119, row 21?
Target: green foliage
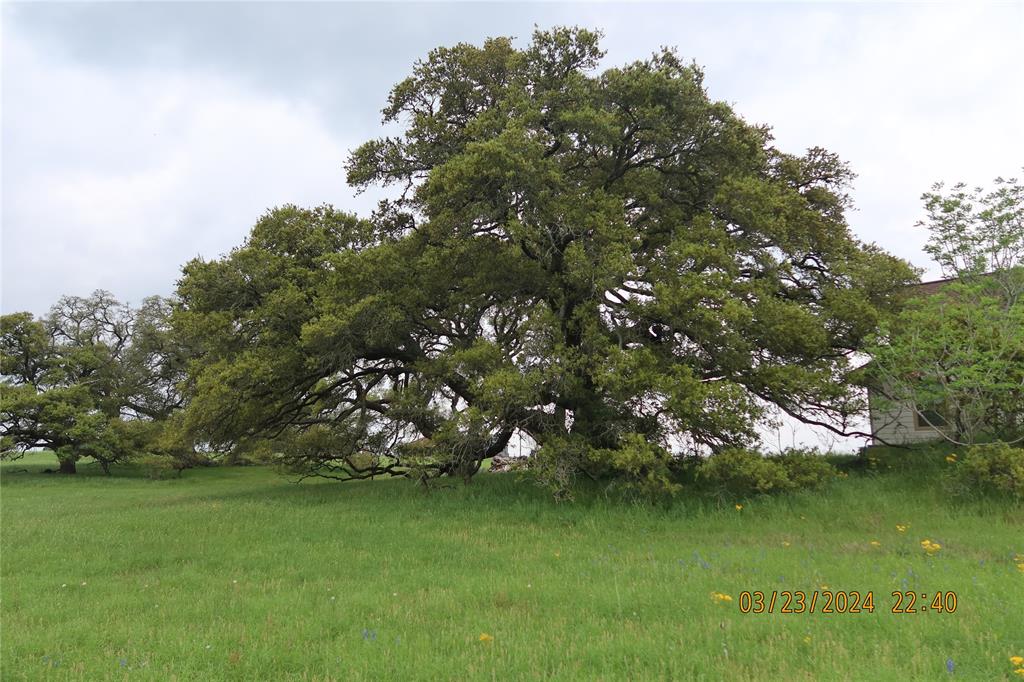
column 974, row 231
column 988, row 469
column 960, row 350
column 806, row 469
column 610, row 264
column 741, row 473
column 641, row 467
column 158, row 467
column 166, row 446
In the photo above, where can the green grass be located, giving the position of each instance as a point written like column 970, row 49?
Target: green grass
column 241, row 574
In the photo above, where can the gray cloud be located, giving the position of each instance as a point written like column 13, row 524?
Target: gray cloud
column 136, row 136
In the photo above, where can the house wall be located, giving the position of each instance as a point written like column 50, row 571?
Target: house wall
column 897, row 425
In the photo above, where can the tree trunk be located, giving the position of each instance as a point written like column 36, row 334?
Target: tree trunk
column 67, row 466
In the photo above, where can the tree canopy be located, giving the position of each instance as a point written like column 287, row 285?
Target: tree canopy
column 607, row 262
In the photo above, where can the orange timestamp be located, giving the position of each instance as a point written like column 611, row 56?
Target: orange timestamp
column 824, row 601
column 828, row 601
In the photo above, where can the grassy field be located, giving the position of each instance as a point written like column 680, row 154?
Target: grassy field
column 241, row 574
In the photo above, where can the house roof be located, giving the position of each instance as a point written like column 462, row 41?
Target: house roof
column 936, row 285
column 932, row 287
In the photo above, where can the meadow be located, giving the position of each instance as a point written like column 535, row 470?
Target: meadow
column 243, row 574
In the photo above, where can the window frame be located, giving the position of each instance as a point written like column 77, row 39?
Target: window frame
column 937, row 419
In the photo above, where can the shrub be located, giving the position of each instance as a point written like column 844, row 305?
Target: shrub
column 638, row 467
column 158, row 467
column 916, row 459
column 988, row 469
column 741, row 473
column 806, row 469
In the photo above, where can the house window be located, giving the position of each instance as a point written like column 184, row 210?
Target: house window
column 925, row 419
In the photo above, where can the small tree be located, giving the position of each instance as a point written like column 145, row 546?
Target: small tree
column 960, row 351
column 83, row 380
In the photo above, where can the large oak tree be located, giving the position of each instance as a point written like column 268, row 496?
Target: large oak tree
column 607, row 262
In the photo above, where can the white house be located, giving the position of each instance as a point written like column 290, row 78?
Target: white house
column 902, row 424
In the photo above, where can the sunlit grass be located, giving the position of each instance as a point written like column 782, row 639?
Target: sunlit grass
column 239, row 573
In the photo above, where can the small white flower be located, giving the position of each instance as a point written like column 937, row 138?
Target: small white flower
column 64, row 585
column 83, row 583
column 234, row 582
column 207, row 646
column 394, row 594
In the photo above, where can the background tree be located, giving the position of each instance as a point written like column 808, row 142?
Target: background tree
column 960, row 352
column 154, row 363
column 978, row 233
column 609, row 263
column 87, row 380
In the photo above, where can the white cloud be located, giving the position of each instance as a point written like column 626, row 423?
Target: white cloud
column 908, row 98
column 115, row 182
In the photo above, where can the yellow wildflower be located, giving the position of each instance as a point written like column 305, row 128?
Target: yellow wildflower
column 876, row 543
column 951, row 458
column 930, row 547
column 902, row 527
column 739, row 507
column 1017, row 660
column 1019, row 671
column 484, row 637
column 720, row 597
column 785, row 544
column 807, row 639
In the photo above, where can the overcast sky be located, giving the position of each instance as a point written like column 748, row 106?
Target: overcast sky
column 137, row 136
